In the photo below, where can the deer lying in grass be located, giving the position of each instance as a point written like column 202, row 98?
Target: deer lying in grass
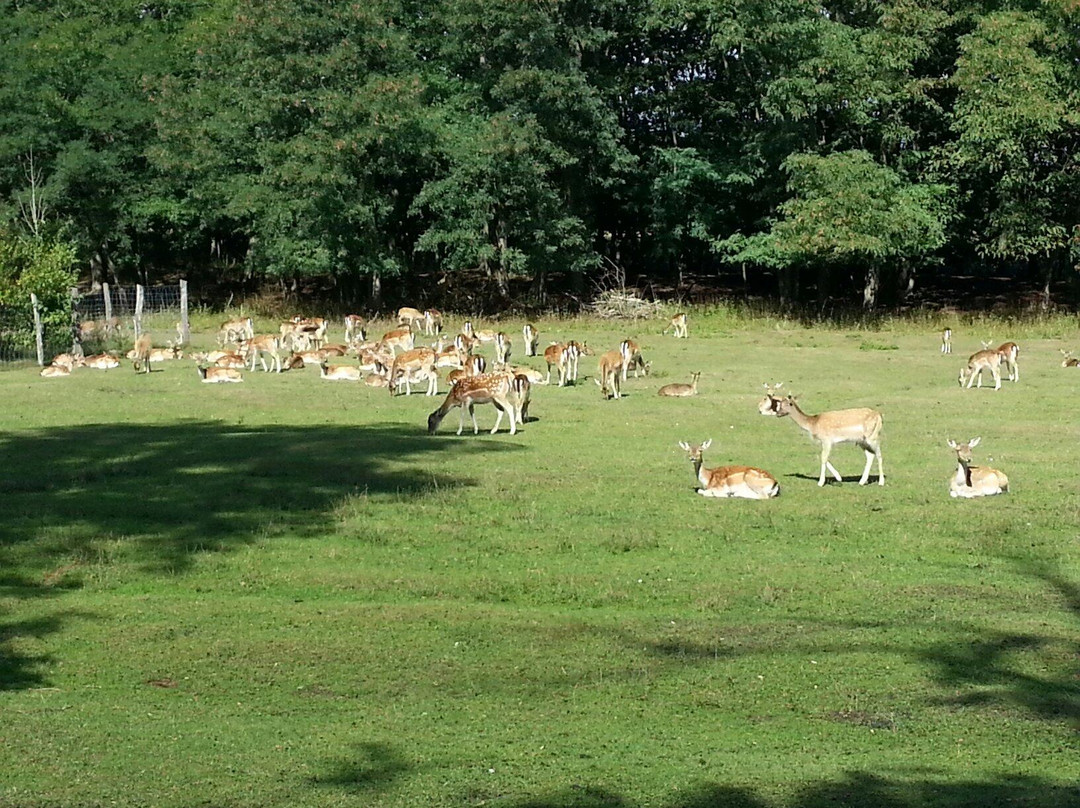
column 219, row 375
column 743, row 482
column 681, row 390
column 974, row 481
column 55, row 371
column 861, row 426
column 339, row 373
column 1068, row 362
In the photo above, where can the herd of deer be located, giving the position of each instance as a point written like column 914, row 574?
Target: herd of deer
column 396, row 362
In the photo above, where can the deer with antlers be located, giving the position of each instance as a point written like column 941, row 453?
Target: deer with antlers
column 488, row 388
column 974, row 481
column 861, row 426
column 742, row 482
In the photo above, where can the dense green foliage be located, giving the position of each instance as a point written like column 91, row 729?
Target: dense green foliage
column 42, row 267
column 286, row 593
column 503, row 140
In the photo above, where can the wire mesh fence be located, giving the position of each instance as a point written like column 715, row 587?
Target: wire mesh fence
column 106, row 319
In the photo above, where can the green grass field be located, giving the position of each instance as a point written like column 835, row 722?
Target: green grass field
column 285, row 593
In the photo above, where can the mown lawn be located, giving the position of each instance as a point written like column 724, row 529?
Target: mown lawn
column 285, row 593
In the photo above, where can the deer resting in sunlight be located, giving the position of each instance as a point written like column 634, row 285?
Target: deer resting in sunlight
column 974, row 481
column 742, row 482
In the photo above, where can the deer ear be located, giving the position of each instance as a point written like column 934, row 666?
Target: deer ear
column 706, row 444
column 952, row 443
column 779, row 385
column 974, row 442
column 684, row 445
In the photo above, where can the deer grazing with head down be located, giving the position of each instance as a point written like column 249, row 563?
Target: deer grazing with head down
column 678, row 325
column 861, row 426
column 631, row 353
column 742, row 482
column 144, row 345
column 974, row 481
column 986, row 359
column 488, row 388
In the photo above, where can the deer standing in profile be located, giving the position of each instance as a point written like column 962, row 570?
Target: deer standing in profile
column 742, row 482
column 974, row 481
column 488, row 388
column 861, row 426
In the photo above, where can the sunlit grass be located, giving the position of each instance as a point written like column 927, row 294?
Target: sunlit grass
column 286, row 593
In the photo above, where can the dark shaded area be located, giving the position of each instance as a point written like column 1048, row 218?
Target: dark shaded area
column 169, row 492
column 372, row 766
column 855, row 790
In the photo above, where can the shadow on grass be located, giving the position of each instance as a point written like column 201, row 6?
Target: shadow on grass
column 855, row 790
column 374, row 766
column 157, row 495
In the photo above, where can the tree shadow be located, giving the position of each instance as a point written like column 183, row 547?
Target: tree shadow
column 373, row 767
column 164, row 493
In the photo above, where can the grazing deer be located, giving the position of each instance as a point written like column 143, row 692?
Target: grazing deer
column 531, row 337
column 236, row 330
column 565, row 357
column 974, row 481
column 418, row 363
column 521, row 390
column 1068, row 362
column 946, row 341
column 631, row 353
column 339, row 373
column 144, row 345
column 1009, row 352
column 610, row 366
column 502, row 348
column 355, row 328
column 219, row 375
column 55, row 371
column 681, row 390
column 742, row 482
column 398, row 338
column 861, row 426
column 413, row 318
column 258, row 348
column 432, row 322
column 986, row 359
column 489, row 388
column 678, row 323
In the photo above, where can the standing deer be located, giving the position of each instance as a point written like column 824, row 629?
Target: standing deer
column 861, row 426
column 743, row 482
column 531, row 337
column 946, row 341
column 611, row 363
column 631, row 353
column 678, row 323
column 355, row 328
column 502, row 348
column 1009, row 352
column 143, row 346
column 986, row 359
column 974, row 481
column 488, row 388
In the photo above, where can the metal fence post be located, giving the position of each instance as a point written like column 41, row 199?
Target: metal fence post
column 39, row 335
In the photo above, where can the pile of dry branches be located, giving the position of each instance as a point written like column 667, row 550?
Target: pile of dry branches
column 623, row 304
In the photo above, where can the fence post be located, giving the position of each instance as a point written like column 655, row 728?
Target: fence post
column 138, row 309
column 39, row 336
column 108, row 305
column 185, row 327
column 76, row 341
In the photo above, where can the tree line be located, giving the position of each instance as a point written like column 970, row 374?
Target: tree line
column 847, row 149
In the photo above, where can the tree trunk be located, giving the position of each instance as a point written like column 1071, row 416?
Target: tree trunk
column 539, row 288
column 376, row 290
column 502, row 274
column 872, row 287
column 788, row 278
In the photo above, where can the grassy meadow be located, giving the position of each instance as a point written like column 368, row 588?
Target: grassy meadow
column 285, row 593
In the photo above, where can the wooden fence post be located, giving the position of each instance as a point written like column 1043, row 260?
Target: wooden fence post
column 139, row 295
column 185, row 326
column 39, row 335
column 108, row 305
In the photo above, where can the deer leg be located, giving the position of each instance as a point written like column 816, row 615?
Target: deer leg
column 880, row 469
column 866, row 471
column 498, row 419
column 997, row 378
column 461, row 421
column 472, row 412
